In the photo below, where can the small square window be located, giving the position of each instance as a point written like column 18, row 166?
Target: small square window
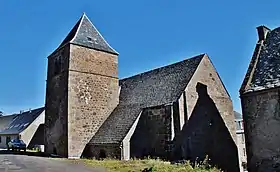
column 89, row 39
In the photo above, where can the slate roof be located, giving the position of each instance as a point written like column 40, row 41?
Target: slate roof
column 156, row 87
column 264, row 68
column 238, row 121
column 5, row 121
column 21, row 121
column 117, row 125
column 237, row 115
column 85, row 34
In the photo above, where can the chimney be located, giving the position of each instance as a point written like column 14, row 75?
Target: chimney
column 21, row 111
column 262, row 32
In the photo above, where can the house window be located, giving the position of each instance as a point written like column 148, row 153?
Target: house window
column 0, row 139
column 243, row 137
column 244, row 152
column 89, row 39
column 240, row 125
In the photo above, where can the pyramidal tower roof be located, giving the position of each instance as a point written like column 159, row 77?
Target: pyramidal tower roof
column 84, row 33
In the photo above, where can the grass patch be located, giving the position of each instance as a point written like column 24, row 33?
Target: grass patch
column 31, row 150
column 140, row 165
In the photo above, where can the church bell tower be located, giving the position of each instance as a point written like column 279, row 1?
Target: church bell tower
column 82, row 89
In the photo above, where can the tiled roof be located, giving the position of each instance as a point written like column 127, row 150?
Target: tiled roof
column 85, row 34
column 264, row 68
column 22, row 121
column 156, row 87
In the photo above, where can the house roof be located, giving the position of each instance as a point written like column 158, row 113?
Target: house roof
column 21, row 121
column 237, row 116
column 117, row 124
column 84, row 33
column 5, row 121
column 156, row 87
column 264, row 69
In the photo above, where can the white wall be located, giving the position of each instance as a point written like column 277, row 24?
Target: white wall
column 27, row 134
column 3, row 144
column 241, row 147
column 126, row 141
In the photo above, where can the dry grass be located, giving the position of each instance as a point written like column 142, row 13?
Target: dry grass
column 140, row 165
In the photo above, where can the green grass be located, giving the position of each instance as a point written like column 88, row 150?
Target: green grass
column 140, row 165
column 31, row 150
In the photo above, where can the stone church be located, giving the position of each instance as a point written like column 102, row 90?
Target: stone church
column 179, row 111
column 260, row 99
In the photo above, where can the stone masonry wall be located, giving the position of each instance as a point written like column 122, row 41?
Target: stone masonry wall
column 103, row 151
column 93, row 94
column 56, row 103
column 206, row 134
column 261, row 125
column 213, row 106
column 207, row 74
column 151, row 133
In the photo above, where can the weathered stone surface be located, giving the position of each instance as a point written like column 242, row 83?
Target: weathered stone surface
column 158, row 126
column 209, row 121
column 259, row 95
column 153, row 88
column 93, row 94
column 101, row 151
column 262, row 125
column 56, row 102
column 158, row 111
column 80, row 96
column 207, row 75
column 152, row 133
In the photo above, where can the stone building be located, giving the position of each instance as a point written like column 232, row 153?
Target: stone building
column 25, row 126
column 241, row 141
column 179, row 111
column 259, row 95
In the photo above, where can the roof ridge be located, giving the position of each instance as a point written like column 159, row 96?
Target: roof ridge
column 162, row 67
column 38, row 108
column 84, row 33
column 68, row 38
column 251, row 67
column 99, row 33
column 8, row 115
column 79, row 26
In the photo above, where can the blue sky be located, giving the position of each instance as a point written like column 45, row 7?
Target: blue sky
column 146, row 33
